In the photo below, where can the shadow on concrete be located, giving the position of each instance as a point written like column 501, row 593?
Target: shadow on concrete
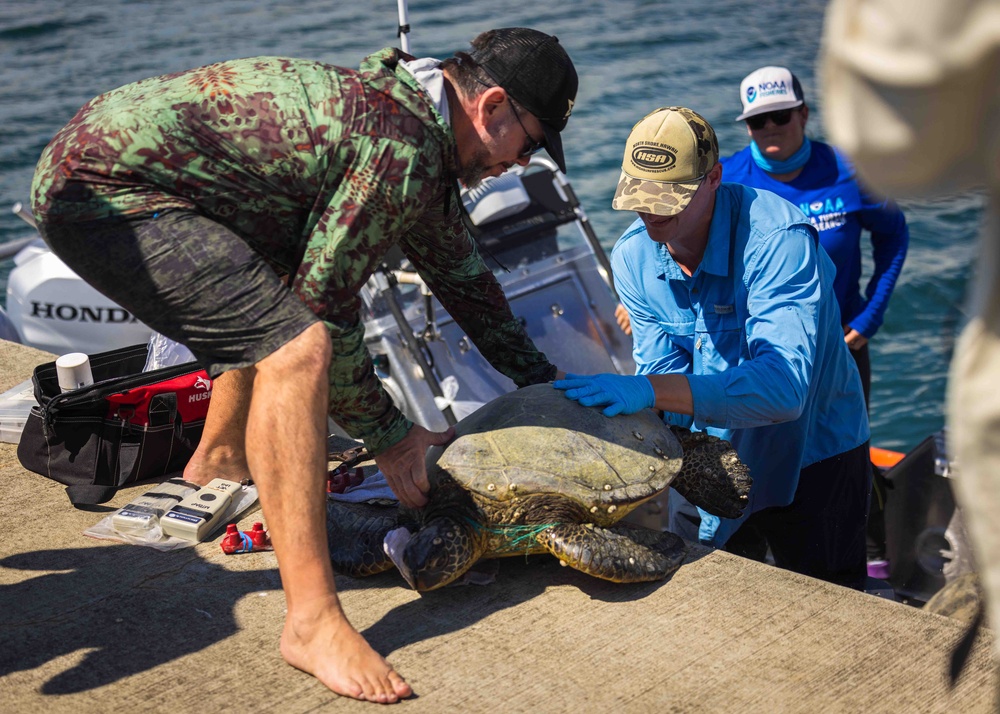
column 132, row 612
column 451, row 609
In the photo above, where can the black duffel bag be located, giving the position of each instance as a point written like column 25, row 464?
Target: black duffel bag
column 127, row 426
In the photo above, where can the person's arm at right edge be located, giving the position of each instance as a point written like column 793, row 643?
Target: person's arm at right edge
column 890, row 238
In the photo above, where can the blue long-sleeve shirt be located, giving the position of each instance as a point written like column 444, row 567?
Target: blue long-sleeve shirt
column 757, row 331
column 840, row 208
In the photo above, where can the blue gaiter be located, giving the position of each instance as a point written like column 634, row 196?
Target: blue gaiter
column 792, row 163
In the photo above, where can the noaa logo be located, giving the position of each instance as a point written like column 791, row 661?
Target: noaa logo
column 778, row 86
column 751, row 94
column 652, row 158
column 826, row 205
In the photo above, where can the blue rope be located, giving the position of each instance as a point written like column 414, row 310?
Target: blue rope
column 246, row 545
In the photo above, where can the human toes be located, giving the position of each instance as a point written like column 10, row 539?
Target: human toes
column 399, row 685
column 385, row 687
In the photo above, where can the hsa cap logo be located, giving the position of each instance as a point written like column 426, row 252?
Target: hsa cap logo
column 648, row 157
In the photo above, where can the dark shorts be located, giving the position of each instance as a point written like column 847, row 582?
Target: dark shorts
column 875, row 537
column 189, row 278
column 822, row 532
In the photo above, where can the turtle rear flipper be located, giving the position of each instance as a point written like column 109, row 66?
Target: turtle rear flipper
column 354, row 534
column 712, row 477
column 622, row 553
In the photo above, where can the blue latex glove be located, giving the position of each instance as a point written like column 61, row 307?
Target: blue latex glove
column 619, row 393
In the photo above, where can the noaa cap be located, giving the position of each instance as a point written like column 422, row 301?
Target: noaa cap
column 769, row 89
column 534, row 69
column 667, row 156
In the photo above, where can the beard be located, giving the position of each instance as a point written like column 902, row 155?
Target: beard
column 471, row 173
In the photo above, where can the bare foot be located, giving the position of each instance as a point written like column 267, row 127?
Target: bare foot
column 218, row 463
column 330, row 649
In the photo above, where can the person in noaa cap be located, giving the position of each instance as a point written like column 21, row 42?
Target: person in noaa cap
column 736, row 332
column 238, row 209
column 820, row 180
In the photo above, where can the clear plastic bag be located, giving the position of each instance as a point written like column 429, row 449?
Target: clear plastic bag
column 138, row 522
column 165, row 352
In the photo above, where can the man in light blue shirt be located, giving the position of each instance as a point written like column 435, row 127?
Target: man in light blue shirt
column 737, row 333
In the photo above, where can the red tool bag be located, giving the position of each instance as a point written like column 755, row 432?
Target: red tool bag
column 127, row 426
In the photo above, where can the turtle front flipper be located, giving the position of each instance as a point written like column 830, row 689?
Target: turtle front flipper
column 354, row 534
column 712, row 476
column 623, row 553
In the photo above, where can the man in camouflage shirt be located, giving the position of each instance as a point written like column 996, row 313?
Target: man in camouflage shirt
column 238, row 209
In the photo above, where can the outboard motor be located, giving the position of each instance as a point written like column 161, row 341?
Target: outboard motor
column 7, row 331
column 51, row 308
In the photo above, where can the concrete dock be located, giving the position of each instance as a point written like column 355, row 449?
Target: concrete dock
column 99, row 626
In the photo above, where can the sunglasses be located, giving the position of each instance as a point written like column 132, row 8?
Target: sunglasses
column 780, row 118
column 531, row 146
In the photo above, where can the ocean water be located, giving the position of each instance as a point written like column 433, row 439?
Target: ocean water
column 632, row 56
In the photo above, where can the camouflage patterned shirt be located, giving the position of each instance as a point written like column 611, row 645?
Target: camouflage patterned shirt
column 321, row 170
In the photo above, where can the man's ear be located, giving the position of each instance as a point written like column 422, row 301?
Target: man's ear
column 714, row 175
column 489, row 105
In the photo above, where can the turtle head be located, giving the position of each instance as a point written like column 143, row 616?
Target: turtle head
column 439, row 553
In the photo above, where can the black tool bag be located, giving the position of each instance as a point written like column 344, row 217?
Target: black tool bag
column 127, row 426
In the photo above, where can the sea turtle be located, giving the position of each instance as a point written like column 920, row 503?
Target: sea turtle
column 535, row 472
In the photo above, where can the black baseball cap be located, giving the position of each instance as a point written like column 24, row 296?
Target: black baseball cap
column 536, row 72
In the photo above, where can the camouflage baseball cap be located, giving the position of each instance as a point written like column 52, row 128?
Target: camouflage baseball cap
column 667, row 155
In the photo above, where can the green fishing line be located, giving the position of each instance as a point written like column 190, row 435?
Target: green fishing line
column 514, row 536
